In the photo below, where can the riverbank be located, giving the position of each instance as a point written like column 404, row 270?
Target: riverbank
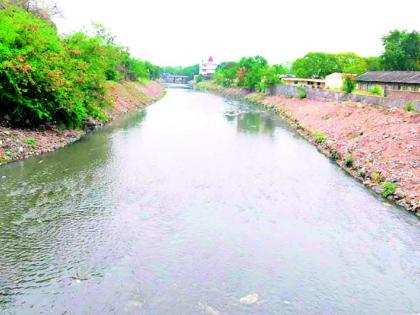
column 378, row 146
column 18, row 144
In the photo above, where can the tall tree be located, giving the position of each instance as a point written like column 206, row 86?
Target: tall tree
column 402, row 51
column 350, row 62
column 315, row 65
column 251, row 71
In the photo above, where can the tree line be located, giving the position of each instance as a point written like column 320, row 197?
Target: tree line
column 401, row 53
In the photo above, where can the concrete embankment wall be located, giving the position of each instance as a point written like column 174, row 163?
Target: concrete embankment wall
column 323, row 95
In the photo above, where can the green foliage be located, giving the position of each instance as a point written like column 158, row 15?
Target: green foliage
column 199, row 78
column 302, row 92
column 373, row 63
column 319, row 136
column 189, row 71
column 409, row 107
column 402, row 51
column 351, row 63
column 361, row 174
column 349, row 84
column 30, row 141
column 376, row 90
column 271, row 77
column 348, row 161
column 388, row 189
column 46, row 79
column 315, row 65
column 377, row 177
column 334, row 154
column 320, row 64
column 225, row 74
column 251, row 72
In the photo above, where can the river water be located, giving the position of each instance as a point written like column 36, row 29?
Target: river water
column 190, row 205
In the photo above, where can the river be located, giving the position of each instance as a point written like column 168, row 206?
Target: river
column 191, row 204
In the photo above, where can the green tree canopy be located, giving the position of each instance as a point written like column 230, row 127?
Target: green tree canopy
column 316, row 65
column 402, row 51
column 350, row 62
column 189, row 71
column 225, row 74
column 251, row 71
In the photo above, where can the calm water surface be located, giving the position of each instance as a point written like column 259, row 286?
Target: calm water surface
column 194, row 203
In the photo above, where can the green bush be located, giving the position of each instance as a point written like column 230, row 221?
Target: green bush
column 348, row 161
column 334, row 154
column 388, row 189
column 271, row 77
column 376, row 90
column 302, row 92
column 47, row 79
column 409, row 107
column 226, row 74
column 349, row 84
column 199, row 78
column 320, row 137
column 30, row 141
column 251, row 72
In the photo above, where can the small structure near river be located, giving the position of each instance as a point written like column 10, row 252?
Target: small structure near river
column 396, row 84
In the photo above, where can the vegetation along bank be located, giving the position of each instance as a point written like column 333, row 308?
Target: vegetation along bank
column 53, row 87
column 378, row 146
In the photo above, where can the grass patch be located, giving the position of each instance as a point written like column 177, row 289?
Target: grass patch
column 30, row 141
column 348, row 161
column 409, row 107
column 320, row 137
column 388, row 189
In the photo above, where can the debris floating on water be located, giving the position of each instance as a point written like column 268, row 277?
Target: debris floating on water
column 249, row 299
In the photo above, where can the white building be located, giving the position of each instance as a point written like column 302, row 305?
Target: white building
column 208, row 67
column 334, row 81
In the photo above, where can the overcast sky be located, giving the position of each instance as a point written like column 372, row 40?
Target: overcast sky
column 182, row 32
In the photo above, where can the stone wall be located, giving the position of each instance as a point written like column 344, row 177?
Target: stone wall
column 324, row 95
column 406, row 95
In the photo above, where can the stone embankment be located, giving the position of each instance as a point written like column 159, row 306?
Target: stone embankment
column 17, row 144
column 378, row 146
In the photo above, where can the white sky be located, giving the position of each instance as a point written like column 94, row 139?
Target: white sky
column 182, row 32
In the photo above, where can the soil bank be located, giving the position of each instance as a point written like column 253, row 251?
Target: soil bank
column 18, row 144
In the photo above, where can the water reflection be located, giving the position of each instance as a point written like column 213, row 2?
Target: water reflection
column 252, row 121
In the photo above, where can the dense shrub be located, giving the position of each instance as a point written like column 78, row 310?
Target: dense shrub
column 44, row 78
column 349, row 84
column 199, row 78
column 251, row 72
column 388, row 189
column 348, row 161
column 376, row 90
column 226, row 74
column 409, row 107
column 271, row 77
column 302, row 92
column 319, row 136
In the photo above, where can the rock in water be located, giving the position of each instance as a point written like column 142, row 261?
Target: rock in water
column 249, row 299
column 211, row 310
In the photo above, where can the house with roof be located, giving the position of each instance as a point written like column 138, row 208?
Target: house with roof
column 304, row 82
column 208, row 67
column 396, row 84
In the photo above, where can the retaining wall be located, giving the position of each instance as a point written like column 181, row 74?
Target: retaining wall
column 324, row 95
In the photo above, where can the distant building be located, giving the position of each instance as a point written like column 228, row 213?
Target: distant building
column 208, row 68
column 308, row 83
column 396, row 84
